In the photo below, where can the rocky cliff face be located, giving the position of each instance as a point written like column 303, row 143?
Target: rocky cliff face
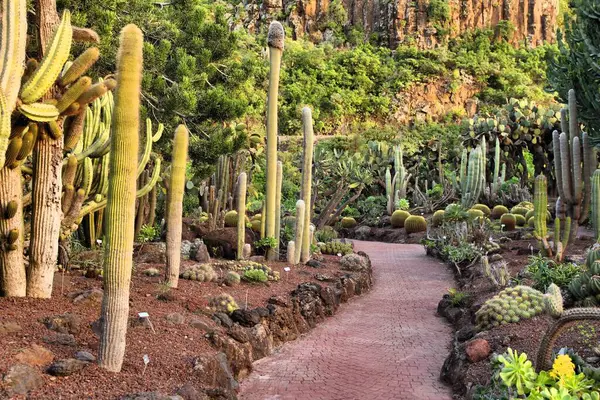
column 398, row 21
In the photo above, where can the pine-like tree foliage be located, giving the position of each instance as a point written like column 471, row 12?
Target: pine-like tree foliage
column 577, row 65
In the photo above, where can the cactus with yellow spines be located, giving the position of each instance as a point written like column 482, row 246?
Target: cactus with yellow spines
column 174, row 206
column 80, row 66
column 120, row 210
column 150, row 138
column 74, row 130
column 52, row 63
column 595, row 195
column 241, row 214
column 12, row 53
column 39, row 112
column 275, row 41
column 306, row 190
column 300, row 210
column 73, row 93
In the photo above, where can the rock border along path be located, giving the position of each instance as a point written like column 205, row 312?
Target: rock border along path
column 387, row 344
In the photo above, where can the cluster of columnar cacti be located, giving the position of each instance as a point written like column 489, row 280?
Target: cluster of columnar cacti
column 120, row 210
column 202, row 273
column 557, row 247
column 396, row 185
column 44, row 115
column 496, row 272
column 174, row 205
column 585, row 287
column 574, row 163
column 510, row 305
column 472, row 175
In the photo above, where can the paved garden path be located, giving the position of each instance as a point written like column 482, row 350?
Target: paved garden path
column 385, row 345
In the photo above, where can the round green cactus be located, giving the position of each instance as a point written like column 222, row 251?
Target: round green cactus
column 509, row 221
column 521, row 221
column 518, row 210
column 398, row 218
column 437, row 218
column 474, row 214
column 498, row 211
column 232, row 278
column 482, row 207
column 415, row 224
column 231, row 218
column 554, row 301
column 509, row 306
column 348, row 222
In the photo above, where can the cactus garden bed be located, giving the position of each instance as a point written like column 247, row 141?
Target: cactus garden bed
column 189, row 348
column 469, row 367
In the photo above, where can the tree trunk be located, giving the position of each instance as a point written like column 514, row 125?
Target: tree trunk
column 47, row 185
column 12, row 267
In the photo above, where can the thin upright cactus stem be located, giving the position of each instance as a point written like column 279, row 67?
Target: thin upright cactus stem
column 275, row 41
column 241, row 210
column 540, row 203
column 306, row 192
column 300, row 210
column 278, row 183
column 496, row 177
column 573, row 123
column 595, row 194
column 174, row 207
column 120, row 210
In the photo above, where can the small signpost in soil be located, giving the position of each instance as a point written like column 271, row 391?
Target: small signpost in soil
column 146, row 362
column 144, row 316
column 286, row 269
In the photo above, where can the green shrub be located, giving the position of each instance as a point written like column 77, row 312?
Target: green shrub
column 372, row 209
column 544, row 271
column 148, row 233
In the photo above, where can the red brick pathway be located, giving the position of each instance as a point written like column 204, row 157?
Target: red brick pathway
column 386, row 345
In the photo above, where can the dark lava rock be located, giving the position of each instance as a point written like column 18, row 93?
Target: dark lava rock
column 223, row 319
column 85, row 356
column 246, row 317
column 64, row 339
column 314, row 264
column 66, row 367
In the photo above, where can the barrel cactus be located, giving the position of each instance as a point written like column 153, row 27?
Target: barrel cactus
column 498, row 211
column 482, row 207
column 415, row 224
column 348, row 222
column 509, row 221
column 223, row 303
column 521, row 221
column 231, row 219
column 398, row 218
column 554, row 301
column 438, row 218
column 474, row 214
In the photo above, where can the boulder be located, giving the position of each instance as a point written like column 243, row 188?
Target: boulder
column 354, row 262
column 9, row 327
column 477, row 349
column 175, row 318
column 199, row 252
column 223, row 242
column 85, row 356
column 88, row 296
column 150, row 253
column 20, row 379
column 246, row 317
column 64, row 323
column 35, row 356
column 223, row 319
column 66, row 367
column 64, row 339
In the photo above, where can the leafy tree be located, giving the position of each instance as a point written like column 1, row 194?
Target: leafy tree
column 577, row 65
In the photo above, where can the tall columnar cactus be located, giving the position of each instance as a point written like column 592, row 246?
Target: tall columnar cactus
column 275, row 41
column 241, row 214
column 174, row 207
column 596, row 203
column 400, row 176
column 557, row 248
column 120, row 210
column 472, row 185
column 497, row 178
column 574, row 162
column 306, row 190
column 278, row 183
column 300, row 211
column 389, row 191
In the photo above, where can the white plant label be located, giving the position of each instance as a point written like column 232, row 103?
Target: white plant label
column 146, row 359
column 287, row 269
column 143, row 315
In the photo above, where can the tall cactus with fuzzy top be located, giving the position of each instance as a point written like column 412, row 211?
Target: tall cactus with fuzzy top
column 306, row 192
column 241, row 214
column 120, row 210
column 574, row 162
column 595, row 186
column 278, row 183
column 389, row 191
column 174, row 207
column 275, row 41
column 401, row 176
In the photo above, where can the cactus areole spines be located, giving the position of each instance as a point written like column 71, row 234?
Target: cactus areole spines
column 275, row 41
column 175, row 204
column 120, row 209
